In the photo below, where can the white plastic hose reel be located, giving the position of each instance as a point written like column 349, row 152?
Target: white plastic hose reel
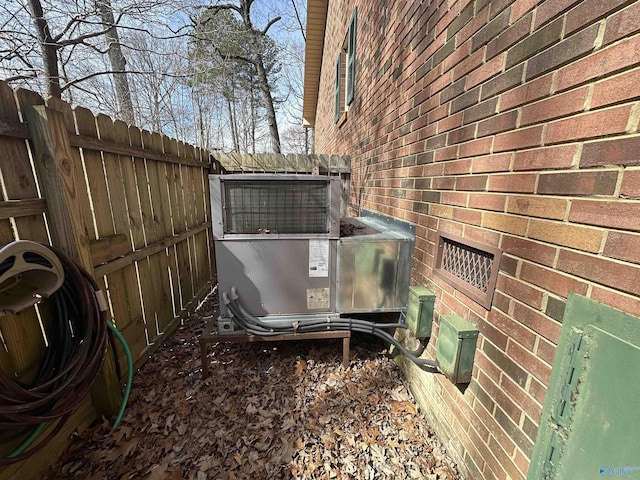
column 29, row 271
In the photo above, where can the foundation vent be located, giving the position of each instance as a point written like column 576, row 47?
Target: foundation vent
column 469, row 266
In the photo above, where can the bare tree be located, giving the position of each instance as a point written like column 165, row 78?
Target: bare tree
column 130, row 58
column 55, row 40
column 294, row 140
column 255, row 57
column 71, row 34
column 49, row 47
column 117, row 60
column 292, row 41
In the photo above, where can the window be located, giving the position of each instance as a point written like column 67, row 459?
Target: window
column 469, row 266
column 346, row 70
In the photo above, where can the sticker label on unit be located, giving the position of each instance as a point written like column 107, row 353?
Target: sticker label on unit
column 318, row 298
column 318, row 258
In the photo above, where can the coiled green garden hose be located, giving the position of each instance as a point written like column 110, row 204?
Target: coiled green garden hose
column 77, row 343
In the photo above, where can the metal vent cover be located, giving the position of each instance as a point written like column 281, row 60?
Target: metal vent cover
column 469, row 266
column 289, row 206
column 248, row 206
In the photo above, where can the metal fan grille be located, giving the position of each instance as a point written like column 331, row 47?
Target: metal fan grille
column 258, row 206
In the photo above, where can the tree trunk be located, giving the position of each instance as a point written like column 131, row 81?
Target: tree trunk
column 49, row 50
column 201, row 127
column 118, row 62
column 156, row 121
column 268, row 103
column 253, row 117
column 263, row 81
column 234, row 132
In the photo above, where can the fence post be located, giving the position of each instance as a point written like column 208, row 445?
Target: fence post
column 53, row 161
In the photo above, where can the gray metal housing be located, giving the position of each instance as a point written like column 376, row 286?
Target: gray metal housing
column 280, row 276
column 374, row 265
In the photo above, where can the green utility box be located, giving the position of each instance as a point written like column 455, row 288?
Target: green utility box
column 590, row 416
column 420, row 311
column 456, row 348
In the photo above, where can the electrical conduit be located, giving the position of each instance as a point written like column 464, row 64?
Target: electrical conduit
column 255, row 326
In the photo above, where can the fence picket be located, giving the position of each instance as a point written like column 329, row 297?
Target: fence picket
column 159, row 263
column 94, row 167
column 78, row 164
column 14, row 164
column 177, row 213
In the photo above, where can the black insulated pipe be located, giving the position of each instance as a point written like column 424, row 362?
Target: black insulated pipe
column 255, row 326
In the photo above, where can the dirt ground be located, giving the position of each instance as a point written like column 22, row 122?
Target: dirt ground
column 286, row 410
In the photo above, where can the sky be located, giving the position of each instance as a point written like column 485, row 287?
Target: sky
column 98, row 94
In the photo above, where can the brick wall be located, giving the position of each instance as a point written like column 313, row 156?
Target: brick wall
column 512, row 123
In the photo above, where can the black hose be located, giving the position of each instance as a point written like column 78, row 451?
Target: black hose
column 255, row 326
column 389, row 338
column 233, row 299
column 421, row 347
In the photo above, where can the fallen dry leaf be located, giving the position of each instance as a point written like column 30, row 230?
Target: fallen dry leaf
column 281, row 410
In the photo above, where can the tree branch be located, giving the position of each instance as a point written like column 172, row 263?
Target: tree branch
column 70, row 24
column 73, row 83
column 225, row 6
column 11, row 55
column 80, row 39
column 229, row 56
column 271, row 22
column 295, row 9
column 15, row 78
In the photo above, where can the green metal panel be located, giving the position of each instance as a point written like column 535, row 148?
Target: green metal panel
column 351, row 57
column 590, row 425
column 420, row 311
column 338, row 98
column 456, row 348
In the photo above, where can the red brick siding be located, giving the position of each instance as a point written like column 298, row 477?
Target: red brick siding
column 514, row 123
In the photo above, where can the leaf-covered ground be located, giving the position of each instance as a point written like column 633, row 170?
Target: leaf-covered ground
column 286, row 410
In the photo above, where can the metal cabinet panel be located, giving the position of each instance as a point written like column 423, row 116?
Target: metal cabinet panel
column 273, row 278
column 367, row 277
column 590, row 424
column 374, row 267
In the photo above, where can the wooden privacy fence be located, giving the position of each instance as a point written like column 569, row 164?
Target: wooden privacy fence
column 291, row 163
column 130, row 205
